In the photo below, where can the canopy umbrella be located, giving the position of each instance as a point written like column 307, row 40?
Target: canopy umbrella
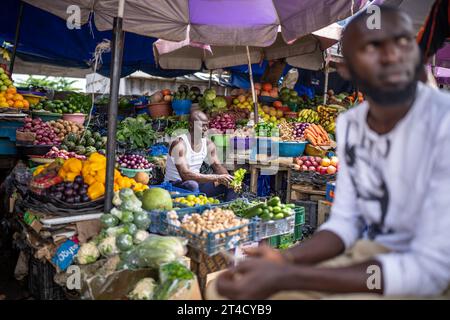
column 193, row 56
column 227, row 22
column 222, row 23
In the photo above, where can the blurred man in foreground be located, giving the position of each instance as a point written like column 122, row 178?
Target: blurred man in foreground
column 388, row 233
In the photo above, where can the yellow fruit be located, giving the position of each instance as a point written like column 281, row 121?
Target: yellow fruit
column 273, row 119
column 266, row 109
column 4, row 105
column 190, row 197
column 279, row 114
column 235, row 101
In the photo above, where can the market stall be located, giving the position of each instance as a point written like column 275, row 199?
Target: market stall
column 99, row 202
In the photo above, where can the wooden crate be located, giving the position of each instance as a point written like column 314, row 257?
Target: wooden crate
column 306, row 192
column 323, row 211
column 202, row 265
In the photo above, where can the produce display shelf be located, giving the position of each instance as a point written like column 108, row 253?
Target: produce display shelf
column 210, row 243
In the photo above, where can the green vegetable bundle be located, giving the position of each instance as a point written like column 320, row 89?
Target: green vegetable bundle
column 136, row 133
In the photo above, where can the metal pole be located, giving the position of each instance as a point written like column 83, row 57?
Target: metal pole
column 16, row 38
column 116, row 66
column 325, row 95
column 210, row 79
column 254, row 97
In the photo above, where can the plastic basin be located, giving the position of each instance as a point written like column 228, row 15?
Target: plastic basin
column 75, row 117
column 291, row 149
column 158, row 110
column 181, row 107
column 132, row 172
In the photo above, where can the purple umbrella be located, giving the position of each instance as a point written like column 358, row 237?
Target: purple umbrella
column 221, row 23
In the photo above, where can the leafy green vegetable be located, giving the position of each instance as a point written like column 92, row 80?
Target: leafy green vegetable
column 124, row 242
column 109, row 220
column 239, row 175
column 136, row 133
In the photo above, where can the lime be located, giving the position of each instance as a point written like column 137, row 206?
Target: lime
column 278, row 216
column 3, row 88
column 2, row 71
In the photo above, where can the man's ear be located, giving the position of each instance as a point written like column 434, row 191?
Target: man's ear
column 343, row 71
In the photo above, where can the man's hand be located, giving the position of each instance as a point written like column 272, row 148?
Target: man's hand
column 224, row 179
column 266, row 253
column 252, row 279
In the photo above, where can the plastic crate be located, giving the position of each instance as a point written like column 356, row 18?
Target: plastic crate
column 310, row 211
column 211, row 243
column 181, row 192
column 40, row 281
column 267, row 229
column 299, row 215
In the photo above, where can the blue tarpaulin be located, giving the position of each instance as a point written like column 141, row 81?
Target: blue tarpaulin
column 45, row 38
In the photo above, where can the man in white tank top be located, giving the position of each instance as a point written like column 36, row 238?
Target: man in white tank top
column 186, row 155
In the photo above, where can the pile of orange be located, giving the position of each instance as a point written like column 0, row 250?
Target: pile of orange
column 11, row 99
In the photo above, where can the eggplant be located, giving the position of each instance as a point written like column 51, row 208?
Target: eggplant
column 85, row 198
column 77, row 199
column 70, row 199
column 79, row 180
column 58, row 195
column 82, row 191
column 76, row 186
column 68, row 185
column 69, row 192
column 86, row 186
column 59, row 187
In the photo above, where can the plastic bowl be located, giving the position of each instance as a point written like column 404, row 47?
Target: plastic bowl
column 181, row 107
column 132, row 172
column 75, row 117
column 291, row 149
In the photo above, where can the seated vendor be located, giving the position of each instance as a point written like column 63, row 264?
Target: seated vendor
column 187, row 154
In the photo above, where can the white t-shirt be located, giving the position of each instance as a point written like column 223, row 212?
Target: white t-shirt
column 395, row 189
column 194, row 159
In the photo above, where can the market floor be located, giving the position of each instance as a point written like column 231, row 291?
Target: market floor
column 10, row 288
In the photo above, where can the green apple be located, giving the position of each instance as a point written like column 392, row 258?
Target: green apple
column 2, row 71
column 3, row 76
column 3, row 88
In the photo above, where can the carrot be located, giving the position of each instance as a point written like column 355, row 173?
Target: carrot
column 312, row 139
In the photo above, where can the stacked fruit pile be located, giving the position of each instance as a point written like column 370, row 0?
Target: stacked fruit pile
column 58, row 106
column 9, row 98
column 192, row 201
column 309, row 116
column 271, row 114
column 43, row 132
column 273, row 209
column 84, row 143
column 328, row 115
column 317, row 164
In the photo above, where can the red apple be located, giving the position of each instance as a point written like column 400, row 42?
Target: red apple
column 304, row 158
column 331, row 170
column 323, row 170
column 318, row 159
column 314, row 164
column 308, row 163
column 312, row 168
column 304, row 168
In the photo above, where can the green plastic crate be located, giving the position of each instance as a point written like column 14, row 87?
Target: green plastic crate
column 274, row 241
column 298, row 233
column 299, row 215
